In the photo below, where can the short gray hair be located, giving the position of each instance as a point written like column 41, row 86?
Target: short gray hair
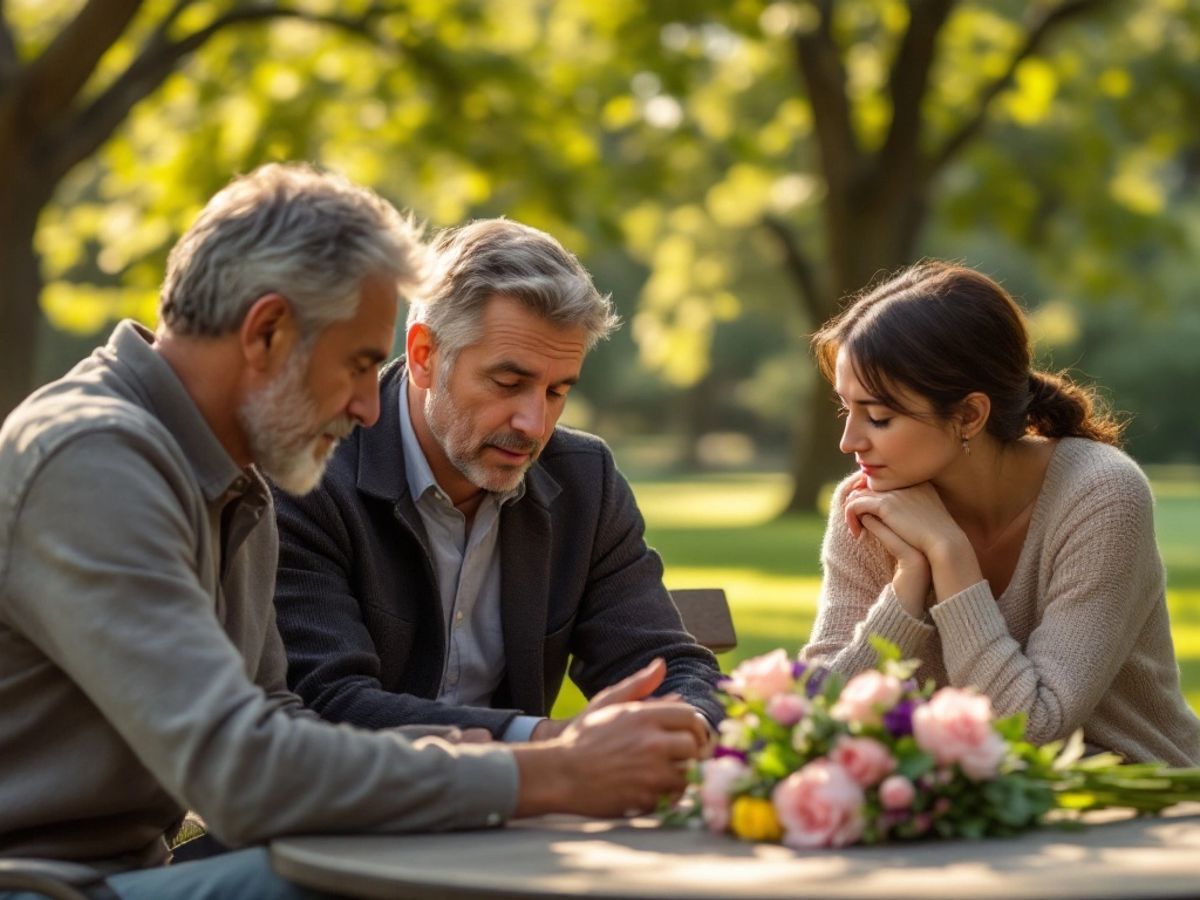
column 492, row 257
column 291, row 229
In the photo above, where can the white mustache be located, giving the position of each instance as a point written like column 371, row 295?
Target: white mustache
column 340, row 428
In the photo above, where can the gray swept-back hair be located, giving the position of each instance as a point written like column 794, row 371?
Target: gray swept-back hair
column 290, row 229
column 492, row 257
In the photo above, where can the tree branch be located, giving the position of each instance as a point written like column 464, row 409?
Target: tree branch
column 907, row 83
column 799, row 268
column 88, row 130
column 820, row 66
column 1034, row 37
column 52, row 81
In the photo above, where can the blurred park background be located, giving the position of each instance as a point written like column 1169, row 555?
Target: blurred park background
column 728, row 169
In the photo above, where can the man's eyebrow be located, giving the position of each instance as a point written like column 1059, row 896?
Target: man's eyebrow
column 507, row 366
column 370, row 355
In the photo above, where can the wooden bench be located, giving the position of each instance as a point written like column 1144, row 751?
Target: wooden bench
column 705, row 614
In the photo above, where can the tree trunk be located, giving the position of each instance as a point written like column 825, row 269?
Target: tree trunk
column 20, row 285
column 816, row 459
column 866, row 238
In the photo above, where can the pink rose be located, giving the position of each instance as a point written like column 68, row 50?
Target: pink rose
column 983, row 762
column 787, row 709
column 897, row 793
column 866, row 697
column 718, row 778
column 865, row 760
column 762, row 677
column 819, row 806
column 955, row 726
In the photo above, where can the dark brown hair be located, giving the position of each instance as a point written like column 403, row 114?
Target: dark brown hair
column 944, row 331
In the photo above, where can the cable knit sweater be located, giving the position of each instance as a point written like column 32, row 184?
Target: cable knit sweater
column 1079, row 638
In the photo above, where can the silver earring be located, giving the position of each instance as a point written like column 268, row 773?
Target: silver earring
column 966, row 445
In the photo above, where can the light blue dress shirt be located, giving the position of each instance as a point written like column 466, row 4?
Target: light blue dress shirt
column 466, row 564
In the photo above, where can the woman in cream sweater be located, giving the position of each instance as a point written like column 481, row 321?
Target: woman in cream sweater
column 993, row 529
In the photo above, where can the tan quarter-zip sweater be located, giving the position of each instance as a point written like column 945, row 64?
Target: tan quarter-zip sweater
column 1079, row 638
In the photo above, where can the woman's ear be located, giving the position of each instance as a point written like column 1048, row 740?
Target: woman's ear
column 973, row 413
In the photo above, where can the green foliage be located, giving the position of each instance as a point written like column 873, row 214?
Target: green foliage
column 656, row 140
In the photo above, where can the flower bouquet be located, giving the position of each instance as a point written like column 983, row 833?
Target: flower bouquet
column 807, row 760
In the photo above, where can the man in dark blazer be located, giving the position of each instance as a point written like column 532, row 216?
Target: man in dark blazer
column 460, row 552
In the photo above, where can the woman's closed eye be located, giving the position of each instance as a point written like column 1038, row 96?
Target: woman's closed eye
column 843, row 411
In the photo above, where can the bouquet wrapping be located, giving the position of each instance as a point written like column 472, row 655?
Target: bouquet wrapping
column 809, row 759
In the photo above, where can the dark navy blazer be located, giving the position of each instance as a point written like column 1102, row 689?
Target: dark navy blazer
column 361, row 615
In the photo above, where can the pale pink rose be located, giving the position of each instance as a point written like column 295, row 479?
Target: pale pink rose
column 865, row 760
column 955, row 726
column 787, row 709
column 819, row 806
column 762, row 677
column 983, row 762
column 897, row 793
column 866, row 697
column 718, row 777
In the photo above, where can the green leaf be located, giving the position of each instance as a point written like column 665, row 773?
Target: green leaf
column 1072, row 752
column 913, row 766
column 888, row 652
column 1012, row 728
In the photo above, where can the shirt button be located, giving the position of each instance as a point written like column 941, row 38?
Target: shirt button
column 458, row 617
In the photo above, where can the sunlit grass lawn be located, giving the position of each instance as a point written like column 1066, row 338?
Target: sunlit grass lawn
column 723, row 531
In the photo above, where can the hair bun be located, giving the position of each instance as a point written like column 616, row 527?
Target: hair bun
column 1060, row 408
column 1042, row 389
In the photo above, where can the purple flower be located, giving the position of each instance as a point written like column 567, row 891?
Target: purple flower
column 719, row 751
column 798, row 669
column 898, row 719
column 812, row 687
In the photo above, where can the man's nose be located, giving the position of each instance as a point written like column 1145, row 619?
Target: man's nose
column 529, row 418
column 364, row 404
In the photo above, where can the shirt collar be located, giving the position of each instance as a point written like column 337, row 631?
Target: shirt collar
column 416, row 466
column 164, row 394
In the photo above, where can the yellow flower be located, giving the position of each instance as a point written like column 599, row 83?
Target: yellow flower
column 753, row 819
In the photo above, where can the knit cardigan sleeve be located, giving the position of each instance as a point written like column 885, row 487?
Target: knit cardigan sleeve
column 857, row 599
column 1099, row 579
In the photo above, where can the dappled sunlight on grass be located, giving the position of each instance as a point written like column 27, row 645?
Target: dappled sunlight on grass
column 1187, row 650
column 723, row 531
column 712, row 503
